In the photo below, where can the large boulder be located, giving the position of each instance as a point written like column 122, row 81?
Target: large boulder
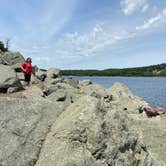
column 72, row 82
column 72, row 126
column 8, row 78
column 152, row 133
column 53, row 73
column 94, row 90
column 52, row 81
column 12, row 58
column 122, row 98
column 63, row 92
column 76, row 136
column 125, row 143
column 24, row 124
column 59, row 95
column 89, row 134
column 85, row 82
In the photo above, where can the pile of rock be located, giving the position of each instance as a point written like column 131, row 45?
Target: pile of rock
column 64, row 122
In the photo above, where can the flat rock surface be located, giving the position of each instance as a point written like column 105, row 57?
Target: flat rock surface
column 24, row 124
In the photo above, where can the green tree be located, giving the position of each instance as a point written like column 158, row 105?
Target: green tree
column 2, row 47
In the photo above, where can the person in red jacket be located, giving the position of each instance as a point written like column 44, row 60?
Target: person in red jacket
column 27, row 69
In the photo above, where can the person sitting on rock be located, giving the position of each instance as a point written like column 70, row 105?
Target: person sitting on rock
column 27, row 69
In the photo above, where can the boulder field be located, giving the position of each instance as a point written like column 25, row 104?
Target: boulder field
column 64, row 122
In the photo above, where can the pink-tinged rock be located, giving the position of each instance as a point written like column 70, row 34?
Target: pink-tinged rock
column 154, row 111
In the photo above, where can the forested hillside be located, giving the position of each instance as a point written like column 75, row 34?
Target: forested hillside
column 153, row 70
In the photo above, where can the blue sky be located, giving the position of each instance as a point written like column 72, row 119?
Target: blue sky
column 86, row 34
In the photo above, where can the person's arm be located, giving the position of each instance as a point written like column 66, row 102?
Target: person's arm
column 23, row 67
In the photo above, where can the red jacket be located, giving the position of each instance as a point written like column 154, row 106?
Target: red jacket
column 27, row 67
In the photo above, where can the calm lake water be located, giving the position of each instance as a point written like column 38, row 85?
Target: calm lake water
column 151, row 89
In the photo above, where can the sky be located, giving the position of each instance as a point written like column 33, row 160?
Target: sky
column 86, row 34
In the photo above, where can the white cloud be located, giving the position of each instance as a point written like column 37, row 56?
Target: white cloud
column 37, row 22
column 131, row 6
column 35, row 29
column 74, row 46
column 54, row 16
column 43, row 59
column 154, row 22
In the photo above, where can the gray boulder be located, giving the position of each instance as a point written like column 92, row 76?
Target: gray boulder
column 75, row 136
column 79, row 127
column 122, row 98
column 72, row 82
column 53, row 73
column 89, row 134
column 152, row 133
column 85, row 83
column 24, row 124
column 94, row 90
column 59, row 95
column 53, row 81
column 63, row 92
column 8, row 78
column 125, row 145
column 12, row 58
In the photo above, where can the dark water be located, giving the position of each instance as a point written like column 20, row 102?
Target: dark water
column 151, row 89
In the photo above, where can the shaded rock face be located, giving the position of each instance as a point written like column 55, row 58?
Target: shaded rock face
column 8, row 78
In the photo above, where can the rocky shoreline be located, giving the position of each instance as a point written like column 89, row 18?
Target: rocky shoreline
column 64, row 122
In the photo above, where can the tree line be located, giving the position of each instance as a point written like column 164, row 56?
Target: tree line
column 4, row 47
column 153, row 70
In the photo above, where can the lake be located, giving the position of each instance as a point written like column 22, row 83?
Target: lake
column 151, row 89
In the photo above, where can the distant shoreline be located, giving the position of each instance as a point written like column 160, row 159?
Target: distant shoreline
column 111, row 76
column 148, row 71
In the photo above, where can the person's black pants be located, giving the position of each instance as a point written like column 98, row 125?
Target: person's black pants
column 27, row 77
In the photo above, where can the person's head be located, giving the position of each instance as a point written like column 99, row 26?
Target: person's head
column 29, row 60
